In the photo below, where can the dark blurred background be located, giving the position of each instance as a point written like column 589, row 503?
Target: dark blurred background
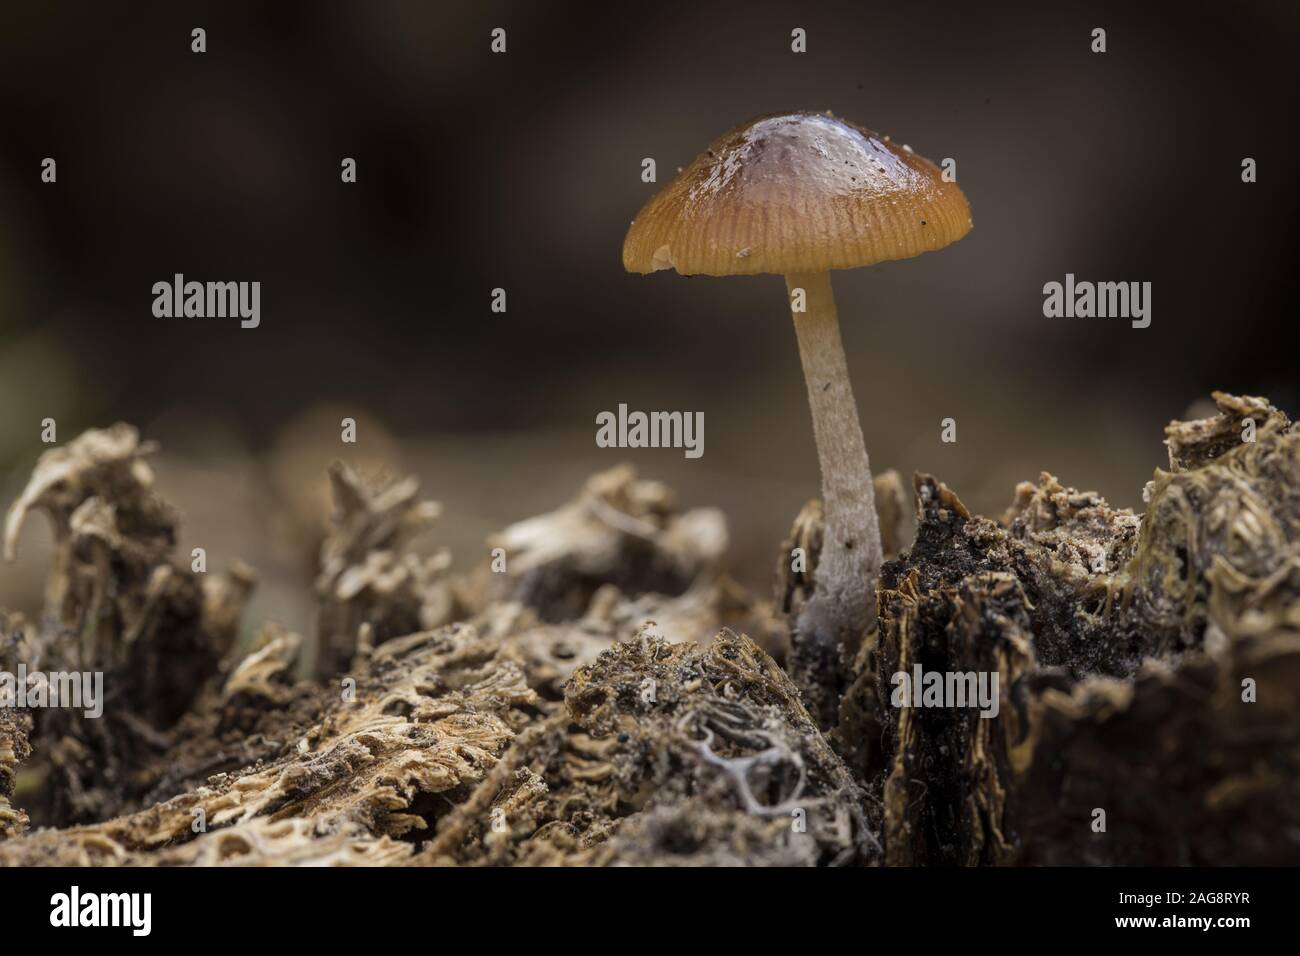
column 522, row 171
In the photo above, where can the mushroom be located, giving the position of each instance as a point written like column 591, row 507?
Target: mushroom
column 797, row 195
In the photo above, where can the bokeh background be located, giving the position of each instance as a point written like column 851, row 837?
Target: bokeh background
column 523, row 171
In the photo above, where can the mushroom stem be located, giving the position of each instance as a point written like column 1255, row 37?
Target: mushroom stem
column 843, row 606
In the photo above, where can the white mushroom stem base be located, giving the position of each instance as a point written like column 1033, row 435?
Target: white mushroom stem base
column 844, row 602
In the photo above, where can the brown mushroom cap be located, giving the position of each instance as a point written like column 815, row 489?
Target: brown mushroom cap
column 799, row 192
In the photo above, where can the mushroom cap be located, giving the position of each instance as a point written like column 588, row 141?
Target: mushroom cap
column 796, row 192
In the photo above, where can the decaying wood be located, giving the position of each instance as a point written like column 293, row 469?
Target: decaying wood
column 594, row 700
column 14, row 749
column 1122, row 644
column 371, row 585
column 118, row 602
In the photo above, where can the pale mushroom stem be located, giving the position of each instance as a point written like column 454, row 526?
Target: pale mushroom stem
column 844, row 602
